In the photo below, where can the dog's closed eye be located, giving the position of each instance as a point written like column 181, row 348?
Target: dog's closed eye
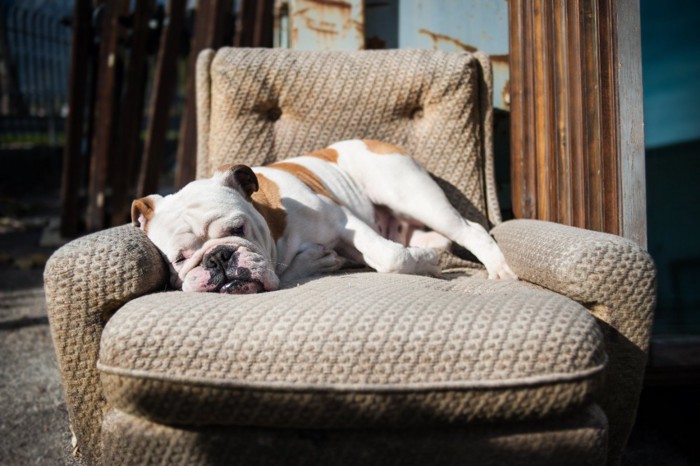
column 237, row 231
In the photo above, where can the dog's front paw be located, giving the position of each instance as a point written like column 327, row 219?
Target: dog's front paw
column 317, row 259
column 314, row 259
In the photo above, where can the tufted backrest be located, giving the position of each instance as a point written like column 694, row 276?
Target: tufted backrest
column 257, row 106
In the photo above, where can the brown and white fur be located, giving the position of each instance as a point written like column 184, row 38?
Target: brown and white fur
column 247, row 230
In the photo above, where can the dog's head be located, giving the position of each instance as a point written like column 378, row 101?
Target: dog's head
column 211, row 235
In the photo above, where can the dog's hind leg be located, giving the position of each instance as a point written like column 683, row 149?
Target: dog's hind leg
column 409, row 191
column 385, row 255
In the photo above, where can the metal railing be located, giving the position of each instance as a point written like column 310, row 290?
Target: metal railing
column 34, row 62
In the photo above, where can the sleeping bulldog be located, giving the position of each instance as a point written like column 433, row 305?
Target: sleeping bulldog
column 247, row 230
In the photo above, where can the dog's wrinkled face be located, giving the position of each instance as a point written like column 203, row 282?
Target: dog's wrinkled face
column 211, row 235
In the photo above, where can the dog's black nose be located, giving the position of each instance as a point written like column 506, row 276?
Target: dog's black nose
column 218, row 259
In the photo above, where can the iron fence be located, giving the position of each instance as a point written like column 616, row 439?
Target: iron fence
column 34, row 64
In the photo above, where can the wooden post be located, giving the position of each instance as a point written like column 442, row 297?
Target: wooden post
column 214, row 20
column 161, row 99
column 626, row 67
column 105, row 124
column 131, row 114
column 72, row 153
column 254, row 23
column 244, row 20
column 577, row 144
column 263, row 25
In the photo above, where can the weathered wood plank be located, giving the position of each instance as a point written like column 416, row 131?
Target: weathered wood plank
column 131, row 114
column 610, row 169
column 71, row 178
column 630, row 124
column 105, row 116
column 560, row 66
column 577, row 148
column 523, row 165
column 214, row 19
column 164, row 82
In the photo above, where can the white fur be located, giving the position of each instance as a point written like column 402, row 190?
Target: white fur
column 320, row 232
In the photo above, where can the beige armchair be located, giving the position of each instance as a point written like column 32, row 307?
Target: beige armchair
column 356, row 367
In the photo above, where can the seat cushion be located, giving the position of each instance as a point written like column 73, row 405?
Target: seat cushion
column 354, row 350
column 579, row 437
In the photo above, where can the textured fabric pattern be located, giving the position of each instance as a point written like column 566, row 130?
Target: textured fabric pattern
column 86, row 281
column 434, row 105
column 274, row 104
column 615, row 278
column 203, row 87
column 578, row 439
column 351, row 350
column 486, row 111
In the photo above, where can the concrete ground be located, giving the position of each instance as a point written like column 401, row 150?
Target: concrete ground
column 33, row 418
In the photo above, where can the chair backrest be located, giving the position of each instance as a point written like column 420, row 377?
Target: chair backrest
column 257, row 106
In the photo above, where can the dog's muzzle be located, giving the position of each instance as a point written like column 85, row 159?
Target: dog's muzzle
column 227, row 275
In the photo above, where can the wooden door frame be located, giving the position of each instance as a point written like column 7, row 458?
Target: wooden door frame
column 577, row 132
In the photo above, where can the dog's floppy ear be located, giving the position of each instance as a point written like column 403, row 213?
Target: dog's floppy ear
column 142, row 210
column 238, row 175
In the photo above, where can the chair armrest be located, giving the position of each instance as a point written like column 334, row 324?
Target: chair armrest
column 86, row 281
column 614, row 278
column 593, row 268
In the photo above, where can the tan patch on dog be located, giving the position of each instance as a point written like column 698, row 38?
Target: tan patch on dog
column 327, row 154
column 266, row 200
column 383, row 148
column 142, row 207
column 307, row 177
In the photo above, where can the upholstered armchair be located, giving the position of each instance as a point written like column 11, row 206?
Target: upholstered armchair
column 356, row 367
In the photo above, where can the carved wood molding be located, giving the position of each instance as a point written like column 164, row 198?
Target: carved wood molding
column 577, row 145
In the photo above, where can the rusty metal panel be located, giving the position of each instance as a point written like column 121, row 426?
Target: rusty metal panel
column 454, row 25
column 324, row 24
column 450, row 25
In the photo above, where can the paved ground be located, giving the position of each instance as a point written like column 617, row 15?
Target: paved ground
column 33, row 418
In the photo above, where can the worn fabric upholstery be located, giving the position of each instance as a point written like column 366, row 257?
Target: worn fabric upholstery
column 86, row 281
column 359, row 368
column 614, row 278
column 353, row 350
column 579, row 438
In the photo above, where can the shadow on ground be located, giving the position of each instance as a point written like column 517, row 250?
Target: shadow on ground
column 33, row 416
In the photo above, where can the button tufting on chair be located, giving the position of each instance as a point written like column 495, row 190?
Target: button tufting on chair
column 274, row 114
